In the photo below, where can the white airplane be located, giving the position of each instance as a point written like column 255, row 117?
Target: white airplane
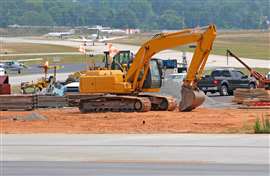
column 60, row 34
column 16, row 65
column 101, row 40
column 113, row 31
column 98, row 27
column 96, row 38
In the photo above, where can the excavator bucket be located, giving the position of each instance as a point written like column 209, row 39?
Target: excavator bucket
column 190, row 99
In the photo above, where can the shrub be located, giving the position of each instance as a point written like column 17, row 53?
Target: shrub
column 262, row 125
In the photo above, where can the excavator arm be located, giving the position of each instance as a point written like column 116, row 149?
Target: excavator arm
column 203, row 37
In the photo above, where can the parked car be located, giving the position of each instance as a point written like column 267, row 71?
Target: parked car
column 72, row 87
column 177, row 77
column 225, row 81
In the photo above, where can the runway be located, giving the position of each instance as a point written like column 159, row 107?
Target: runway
column 130, row 154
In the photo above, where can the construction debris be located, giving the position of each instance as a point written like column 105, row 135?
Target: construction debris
column 252, row 97
column 30, row 117
column 31, row 101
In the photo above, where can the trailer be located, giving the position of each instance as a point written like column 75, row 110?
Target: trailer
column 4, row 85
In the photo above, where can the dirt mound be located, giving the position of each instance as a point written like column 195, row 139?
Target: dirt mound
column 72, row 121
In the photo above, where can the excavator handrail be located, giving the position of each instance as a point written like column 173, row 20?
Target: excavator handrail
column 204, row 38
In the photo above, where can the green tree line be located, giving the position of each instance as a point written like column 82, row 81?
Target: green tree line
column 145, row 14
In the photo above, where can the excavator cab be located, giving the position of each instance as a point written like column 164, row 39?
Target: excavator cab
column 154, row 76
column 125, row 58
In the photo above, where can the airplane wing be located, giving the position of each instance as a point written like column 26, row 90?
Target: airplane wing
column 111, row 38
column 29, row 60
column 82, row 39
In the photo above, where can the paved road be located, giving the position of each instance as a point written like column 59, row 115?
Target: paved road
column 168, row 154
column 18, row 79
column 41, row 54
column 37, row 168
column 67, row 68
column 213, row 60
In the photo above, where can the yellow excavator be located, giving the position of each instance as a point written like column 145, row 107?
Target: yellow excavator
column 122, row 85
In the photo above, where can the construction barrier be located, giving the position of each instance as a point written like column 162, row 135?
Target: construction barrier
column 252, row 97
column 45, row 101
column 17, row 102
column 31, row 101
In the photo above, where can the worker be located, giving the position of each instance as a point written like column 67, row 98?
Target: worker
column 112, row 52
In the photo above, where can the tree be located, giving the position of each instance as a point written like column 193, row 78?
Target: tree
column 36, row 19
column 169, row 20
column 147, row 14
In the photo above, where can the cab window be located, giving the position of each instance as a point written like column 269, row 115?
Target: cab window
column 154, row 71
column 238, row 74
column 216, row 73
column 225, row 73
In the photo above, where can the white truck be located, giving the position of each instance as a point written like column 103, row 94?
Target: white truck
column 2, row 71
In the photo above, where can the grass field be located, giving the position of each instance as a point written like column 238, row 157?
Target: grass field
column 21, row 48
column 249, row 44
column 24, row 48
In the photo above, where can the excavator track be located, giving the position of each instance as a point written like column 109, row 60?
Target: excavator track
column 115, row 103
column 161, row 103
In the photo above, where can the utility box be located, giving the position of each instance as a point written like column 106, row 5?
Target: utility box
column 4, row 85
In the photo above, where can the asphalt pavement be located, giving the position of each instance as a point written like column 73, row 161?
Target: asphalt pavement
column 66, row 68
column 37, row 168
column 18, row 79
column 130, row 154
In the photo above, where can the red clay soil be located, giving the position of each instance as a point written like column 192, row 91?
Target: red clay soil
column 70, row 120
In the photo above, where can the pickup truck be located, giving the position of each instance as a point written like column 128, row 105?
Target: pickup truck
column 225, row 81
